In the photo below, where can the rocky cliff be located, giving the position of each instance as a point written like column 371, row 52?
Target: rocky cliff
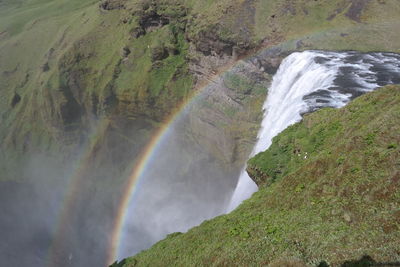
column 138, row 59
column 85, row 84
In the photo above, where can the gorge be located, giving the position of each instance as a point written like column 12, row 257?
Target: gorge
column 305, row 82
column 132, row 130
column 314, row 184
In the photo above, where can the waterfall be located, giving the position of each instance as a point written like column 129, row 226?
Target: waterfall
column 307, row 81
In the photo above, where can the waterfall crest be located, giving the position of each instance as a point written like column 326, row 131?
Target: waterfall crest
column 307, row 81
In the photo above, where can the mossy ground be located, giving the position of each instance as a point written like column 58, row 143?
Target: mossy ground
column 338, row 204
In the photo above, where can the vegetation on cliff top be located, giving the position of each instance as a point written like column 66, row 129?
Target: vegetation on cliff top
column 338, row 203
column 133, row 57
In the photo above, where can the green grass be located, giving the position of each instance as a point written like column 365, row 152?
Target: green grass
column 308, row 21
column 338, row 204
column 82, row 47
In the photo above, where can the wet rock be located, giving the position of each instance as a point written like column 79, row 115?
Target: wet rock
column 299, row 44
column 271, row 64
column 270, row 59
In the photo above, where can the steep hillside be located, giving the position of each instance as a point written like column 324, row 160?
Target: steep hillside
column 86, row 84
column 63, row 63
column 329, row 193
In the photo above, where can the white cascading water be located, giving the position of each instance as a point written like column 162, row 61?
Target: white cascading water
column 311, row 80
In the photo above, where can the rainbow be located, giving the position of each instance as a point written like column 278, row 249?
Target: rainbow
column 73, row 190
column 150, row 150
column 138, row 169
column 133, row 181
column 144, row 160
column 140, row 166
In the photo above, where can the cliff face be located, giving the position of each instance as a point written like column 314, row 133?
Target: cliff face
column 97, row 78
column 64, row 64
column 333, row 207
column 83, row 64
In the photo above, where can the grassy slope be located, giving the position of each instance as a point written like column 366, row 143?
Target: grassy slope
column 340, row 203
column 322, row 24
column 29, row 29
column 82, row 47
column 367, row 29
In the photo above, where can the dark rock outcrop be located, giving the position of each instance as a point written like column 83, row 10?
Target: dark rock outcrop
column 152, row 16
column 270, row 59
column 209, row 43
column 125, row 51
column 151, row 21
column 70, row 110
column 45, row 67
column 15, row 100
column 112, row 4
column 159, row 53
column 137, row 32
column 258, row 176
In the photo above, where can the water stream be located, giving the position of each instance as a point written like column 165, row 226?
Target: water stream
column 310, row 80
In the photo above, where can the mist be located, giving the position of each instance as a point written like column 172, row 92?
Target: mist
column 183, row 185
column 42, row 225
column 32, row 220
column 28, row 215
column 59, row 207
